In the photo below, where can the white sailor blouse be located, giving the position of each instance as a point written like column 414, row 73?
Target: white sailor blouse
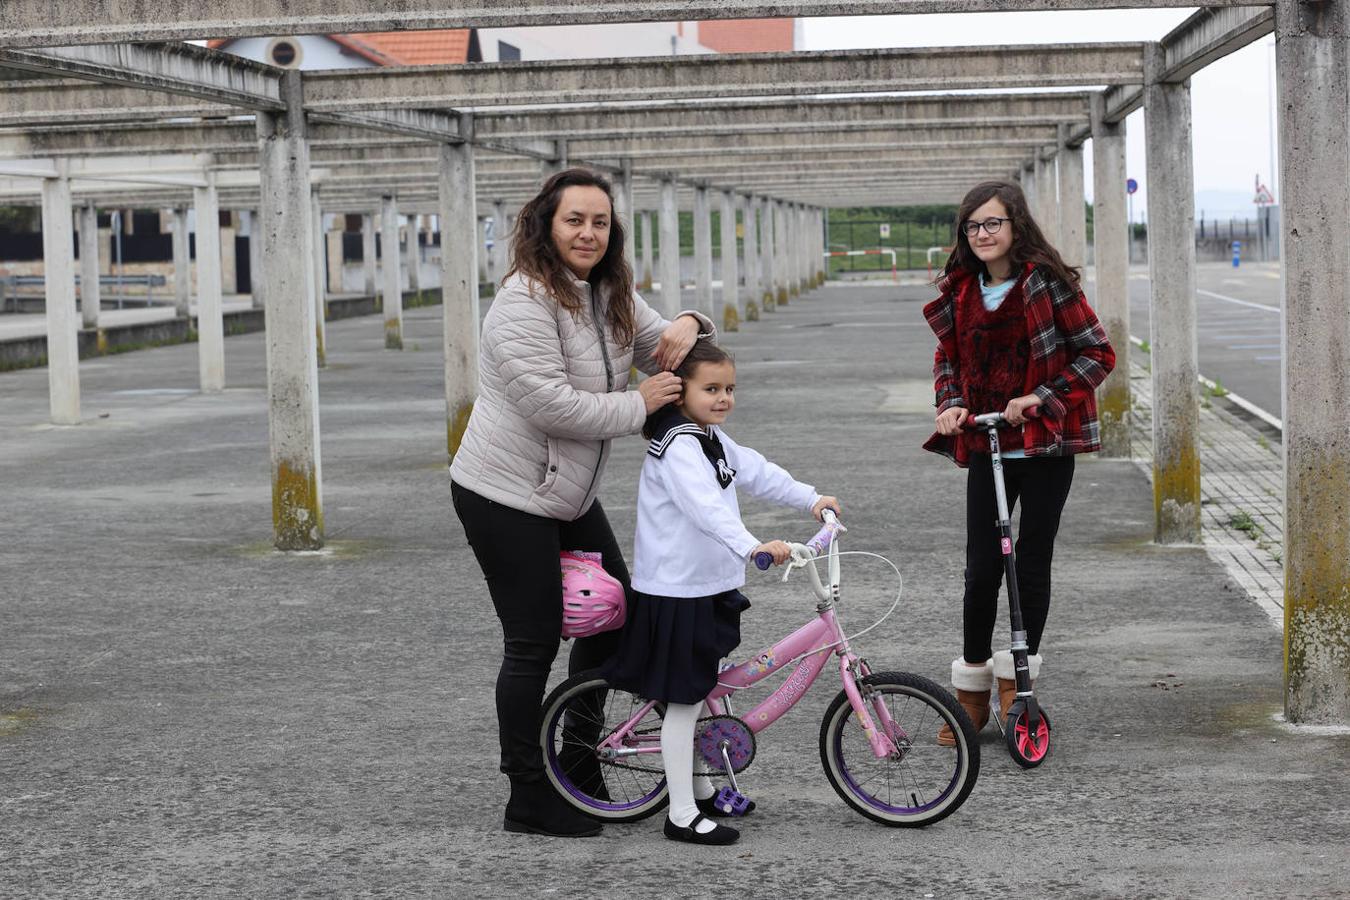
column 690, row 540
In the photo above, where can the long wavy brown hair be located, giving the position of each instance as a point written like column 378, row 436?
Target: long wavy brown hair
column 534, row 255
column 1029, row 244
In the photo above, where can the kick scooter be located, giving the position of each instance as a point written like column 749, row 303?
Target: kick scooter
column 1027, row 728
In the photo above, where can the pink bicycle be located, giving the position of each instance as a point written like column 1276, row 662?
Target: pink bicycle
column 878, row 740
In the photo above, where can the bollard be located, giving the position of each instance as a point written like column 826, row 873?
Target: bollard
column 1237, row 253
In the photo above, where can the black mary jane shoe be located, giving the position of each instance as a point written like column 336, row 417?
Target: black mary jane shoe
column 708, row 806
column 721, row 835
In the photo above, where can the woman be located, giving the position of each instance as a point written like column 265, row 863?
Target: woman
column 1015, row 335
column 556, row 349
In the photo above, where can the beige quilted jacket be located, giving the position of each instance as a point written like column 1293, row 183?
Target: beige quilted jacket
column 550, row 398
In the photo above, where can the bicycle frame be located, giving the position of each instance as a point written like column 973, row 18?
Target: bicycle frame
column 810, row 646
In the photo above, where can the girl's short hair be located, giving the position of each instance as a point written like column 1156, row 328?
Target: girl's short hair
column 534, row 254
column 1029, row 242
column 703, row 351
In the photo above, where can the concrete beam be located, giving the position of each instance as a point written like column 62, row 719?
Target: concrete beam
column 36, row 23
column 54, row 101
column 182, row 69
column 748, row 74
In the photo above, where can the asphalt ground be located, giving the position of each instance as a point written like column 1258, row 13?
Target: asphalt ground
column 1238, row 327
column 186, row 713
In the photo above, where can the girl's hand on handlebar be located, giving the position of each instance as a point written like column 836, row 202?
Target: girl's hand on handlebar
column 779, row 550
column 660, row 389
column 1016, row 413
column 823, row 504
column 950, row 420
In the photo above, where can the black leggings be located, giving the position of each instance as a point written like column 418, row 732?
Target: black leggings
column 1043, row 485
column 518, row 553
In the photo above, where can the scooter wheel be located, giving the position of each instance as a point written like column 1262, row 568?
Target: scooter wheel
column 1028, row 747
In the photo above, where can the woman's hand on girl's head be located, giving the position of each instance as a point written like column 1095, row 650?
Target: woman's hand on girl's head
column 660, row 389
column 950, row 420
column 779, row 550
column 675, row 342
column 823, row 504
column 1016, row 413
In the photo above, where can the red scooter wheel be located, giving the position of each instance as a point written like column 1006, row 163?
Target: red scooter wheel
column 1028, row 747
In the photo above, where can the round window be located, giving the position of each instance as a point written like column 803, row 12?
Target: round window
column 284, row 52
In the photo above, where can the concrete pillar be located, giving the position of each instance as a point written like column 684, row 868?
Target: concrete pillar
column 1172, row 337
column 368, row 254
column 822, row 229
column 670, row 251
column 459, row 287
column 499, row 242
column 482, row 262
column 791, row 256
column 731, row 276
column 332, row 239
column 317, row 246
column 750, row 236
column 292, row 368
column 703, row 263
column 229, row 271
column 58, row 261
column 781, row 279
column 550, row 167
column 182, row 264
column 1312, row 52
column 1047, row 201
column 210, row 320
column 1072, row 204
column 623, row 210
column 768, row 263
column 1111, row 249
column 804, row 248
column 414, row 257
column 1029, row 187
column 256, row 286
column 392, row 283
column 645, row 280
column 89, row 286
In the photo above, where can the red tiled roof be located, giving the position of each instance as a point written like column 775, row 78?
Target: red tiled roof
column 746, row 35
column 398, row 48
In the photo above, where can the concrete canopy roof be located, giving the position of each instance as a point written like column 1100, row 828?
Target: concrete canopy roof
column 749, row 122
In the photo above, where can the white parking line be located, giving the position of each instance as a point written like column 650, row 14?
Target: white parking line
column 1226, row 299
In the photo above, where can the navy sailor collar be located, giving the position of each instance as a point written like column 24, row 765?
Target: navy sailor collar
column 671, row 423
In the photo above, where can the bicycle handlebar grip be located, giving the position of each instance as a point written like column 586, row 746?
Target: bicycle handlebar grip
column 763, row 560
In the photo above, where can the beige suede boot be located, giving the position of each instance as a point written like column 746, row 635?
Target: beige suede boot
column 972, row 685
column 1007, row 678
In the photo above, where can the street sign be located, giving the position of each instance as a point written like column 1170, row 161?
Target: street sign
column 885, row 229
column 1131, row 185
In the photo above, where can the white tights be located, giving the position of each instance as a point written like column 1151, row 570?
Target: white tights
column 677, row 753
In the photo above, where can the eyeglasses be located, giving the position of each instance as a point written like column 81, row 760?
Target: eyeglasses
column 991, row 227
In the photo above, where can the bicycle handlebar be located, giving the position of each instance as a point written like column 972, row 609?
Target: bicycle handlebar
column 814, row 547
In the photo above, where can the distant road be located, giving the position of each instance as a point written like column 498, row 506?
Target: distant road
column 1238, row 325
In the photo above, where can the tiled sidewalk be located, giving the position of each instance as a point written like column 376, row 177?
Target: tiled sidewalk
column 1241, row 489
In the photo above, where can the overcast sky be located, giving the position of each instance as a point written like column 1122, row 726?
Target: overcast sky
column 1230, row 98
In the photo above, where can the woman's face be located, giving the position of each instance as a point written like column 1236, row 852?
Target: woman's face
column 581, row 227
column 991, row 248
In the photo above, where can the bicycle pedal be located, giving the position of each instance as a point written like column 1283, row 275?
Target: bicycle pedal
column 731, row 801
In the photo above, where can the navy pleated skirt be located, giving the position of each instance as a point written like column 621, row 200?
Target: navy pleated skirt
column 670, row 647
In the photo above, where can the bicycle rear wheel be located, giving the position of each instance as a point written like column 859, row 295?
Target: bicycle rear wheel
column 922, row 782
column 578, row 715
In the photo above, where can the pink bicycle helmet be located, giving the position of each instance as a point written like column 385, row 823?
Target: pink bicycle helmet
column 593, row 599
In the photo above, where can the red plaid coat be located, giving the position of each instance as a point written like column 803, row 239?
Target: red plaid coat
column 1070, row 357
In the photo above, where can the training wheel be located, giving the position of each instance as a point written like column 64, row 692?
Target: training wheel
column 731, row 801
column 1028, row 748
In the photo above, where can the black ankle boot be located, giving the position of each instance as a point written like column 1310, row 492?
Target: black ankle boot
column 579, row 764
column 536, row 808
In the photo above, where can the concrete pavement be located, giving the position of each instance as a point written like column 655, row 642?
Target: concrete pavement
column 184, row 712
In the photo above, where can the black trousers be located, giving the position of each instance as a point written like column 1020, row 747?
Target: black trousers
column 518, row 553
column 1042, row 484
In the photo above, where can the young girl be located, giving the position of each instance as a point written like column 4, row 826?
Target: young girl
column 689, row 560
column 1015, row 335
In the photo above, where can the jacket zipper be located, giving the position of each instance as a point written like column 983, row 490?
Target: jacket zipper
column 609, row 382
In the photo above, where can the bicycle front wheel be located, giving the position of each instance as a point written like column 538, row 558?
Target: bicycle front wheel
column 579, row 714
column 922, row 782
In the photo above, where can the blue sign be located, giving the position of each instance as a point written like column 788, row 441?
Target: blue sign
column 1131, row 185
